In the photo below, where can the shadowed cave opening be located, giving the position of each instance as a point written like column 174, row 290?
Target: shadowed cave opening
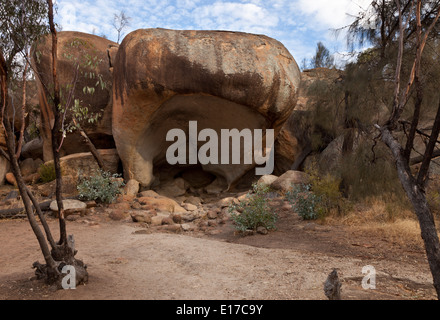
column 210, row 113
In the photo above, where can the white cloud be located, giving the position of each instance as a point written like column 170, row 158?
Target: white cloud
column 298, row 24
column 332, row 14
column 247, row 17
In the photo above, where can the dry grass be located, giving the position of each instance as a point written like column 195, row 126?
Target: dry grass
column 389, row 220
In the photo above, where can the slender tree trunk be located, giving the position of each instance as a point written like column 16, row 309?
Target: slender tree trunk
column 91, row 146
column 418, row 199
column 52, row 272
column 23, row 111
column 56, row 130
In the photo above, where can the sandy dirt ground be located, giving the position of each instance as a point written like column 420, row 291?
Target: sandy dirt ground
column 128, row 261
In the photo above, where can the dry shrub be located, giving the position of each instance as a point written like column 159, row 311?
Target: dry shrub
column 387, row 219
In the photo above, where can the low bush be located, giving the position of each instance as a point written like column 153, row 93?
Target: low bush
column 255, row 211
column 102, row 186
column 306, row 203
column 47, row 172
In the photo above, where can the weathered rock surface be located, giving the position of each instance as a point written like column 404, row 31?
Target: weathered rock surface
column 70, row 206
column 33, row 149
column 293, row 144
column 223, row 80
column 131, row 188
column 4, row 168
column 284, row 182
column 76, row 46
column 84, row 164
column 267, row 180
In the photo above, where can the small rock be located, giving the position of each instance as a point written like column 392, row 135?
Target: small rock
column 226, row 202
column 189, row 207
column 167, row 221
column 73, row 217
column 177, row 218
column 212, row 223
column 118, row 215
column 187, row 227
column 149, row 193
column 141, row 218
column 121, row 206
column 91, row 204
column 27, row 167
column 142, row 231
column 131, row 188
column 193, row 200
column 11, row 179
column 156, row 220
column 212, row 215
column 213, row 232
column 189, row 217
column 125, row 198
column 32, row 178
column 267, row 180
column 136, row 206
column 262, row 230
column 69, row 205
column 243, row 197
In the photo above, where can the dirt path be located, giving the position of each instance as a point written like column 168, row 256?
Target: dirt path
column 128, row 262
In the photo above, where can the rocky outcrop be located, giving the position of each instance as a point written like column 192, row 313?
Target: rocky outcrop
column 85, row 165
column 223, row 80
column 293, row 144
column 74, row 48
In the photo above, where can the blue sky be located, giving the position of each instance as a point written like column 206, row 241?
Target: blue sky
column 298, row 24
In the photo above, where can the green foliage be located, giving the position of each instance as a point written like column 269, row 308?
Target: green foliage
column 86, row 67
column 306, row 203
column 255, row 211
column 322, row 58
column 47, row 172
column 367, row 174
column 102, row 186
column 327, row 188
column 21, row 24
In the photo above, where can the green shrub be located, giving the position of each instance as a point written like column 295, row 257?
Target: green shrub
column 102, row 186
column 327, row 188
column 255, row 211
column 306, row 203
column 47, row 172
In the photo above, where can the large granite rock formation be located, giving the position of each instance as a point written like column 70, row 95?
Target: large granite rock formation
column 223, row 80
column 77, row 48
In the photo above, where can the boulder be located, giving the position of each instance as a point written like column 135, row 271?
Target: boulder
column 193, row 200
column 10, row 178
column 218, row 186
column 68, row 189
column 72, row 47
column 149, row 193
column 162, row 204
column 189, row 207
column 294, row 142
column 223, row 80
column 267, row 180
column 33, row 149
column 84, row 164
column 284, row 182
column 173, row 189
column 28, row 167
column 4, row 168
column 70, row 206
column 131, row 188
